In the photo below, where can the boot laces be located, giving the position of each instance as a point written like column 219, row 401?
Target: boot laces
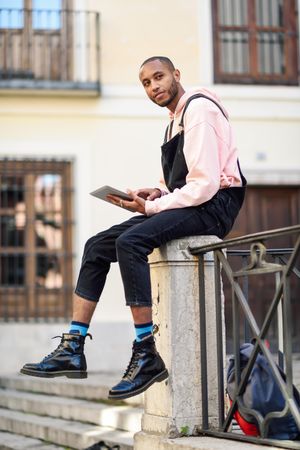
column 61, row 345
column 133, row 363
column 57, row 348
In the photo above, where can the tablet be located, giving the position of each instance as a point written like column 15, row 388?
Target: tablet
column 103, row 191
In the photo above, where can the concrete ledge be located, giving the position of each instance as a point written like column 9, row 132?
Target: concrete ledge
column 176, row 403
column 144, row 441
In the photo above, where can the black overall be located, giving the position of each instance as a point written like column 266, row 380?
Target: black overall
column 132, row 241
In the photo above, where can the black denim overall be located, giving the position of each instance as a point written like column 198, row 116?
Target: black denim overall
column 132, row 241
column 175, row 171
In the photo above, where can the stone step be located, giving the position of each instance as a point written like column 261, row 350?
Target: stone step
column 95, row 387
column 73, row 434
column 11, row 441
column 124, row 417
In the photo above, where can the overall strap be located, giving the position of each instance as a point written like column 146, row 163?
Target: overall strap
column 244, row 181
column 166, row 134
column 198, row 96
column 168, row 131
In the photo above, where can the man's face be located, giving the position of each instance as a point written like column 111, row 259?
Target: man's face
column 160, row 83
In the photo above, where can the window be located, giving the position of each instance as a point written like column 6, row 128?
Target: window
column 11, row 14
column 35, row 239
column 46, row 15
column 36, row 39
column 48, row 45
column 255, row 41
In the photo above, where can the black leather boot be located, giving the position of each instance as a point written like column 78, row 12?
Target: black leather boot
column 145, row 368
column 67, row 360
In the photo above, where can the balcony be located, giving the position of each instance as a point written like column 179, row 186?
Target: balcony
column 49, row 50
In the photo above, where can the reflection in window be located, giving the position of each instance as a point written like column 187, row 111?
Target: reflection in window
column 48, row 271
column 11, row 191
column 48, row 229
column 48, row 221
column 12, row 230
column 46, row 234
column 12, row 222
column 12, row 270
column 46, row 14
column 11, row 14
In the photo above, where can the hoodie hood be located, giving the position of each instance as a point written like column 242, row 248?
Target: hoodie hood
column 188, row 94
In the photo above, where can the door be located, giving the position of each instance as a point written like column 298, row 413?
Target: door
column 266, row 208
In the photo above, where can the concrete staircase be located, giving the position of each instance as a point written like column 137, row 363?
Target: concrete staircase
column 48, row 414
column 62, row 414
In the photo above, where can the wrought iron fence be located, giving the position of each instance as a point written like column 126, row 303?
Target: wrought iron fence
column 256, row 262
column 49, row 49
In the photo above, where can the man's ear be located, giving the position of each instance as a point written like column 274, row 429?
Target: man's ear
column 176, row 74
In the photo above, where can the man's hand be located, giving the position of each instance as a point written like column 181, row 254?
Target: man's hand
column 137, row 204
column 148, row 193
column 138, row 199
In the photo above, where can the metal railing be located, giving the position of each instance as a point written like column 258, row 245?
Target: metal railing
column 283, row 268
column 47, row 49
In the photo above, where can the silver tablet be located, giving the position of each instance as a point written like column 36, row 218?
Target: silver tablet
column 103, row 191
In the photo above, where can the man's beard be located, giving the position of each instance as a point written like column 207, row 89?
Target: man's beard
column 173, row 91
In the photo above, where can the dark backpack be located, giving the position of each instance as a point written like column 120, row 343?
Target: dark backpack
column 264, row 396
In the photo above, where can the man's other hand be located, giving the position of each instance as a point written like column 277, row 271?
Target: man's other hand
column 148, row 193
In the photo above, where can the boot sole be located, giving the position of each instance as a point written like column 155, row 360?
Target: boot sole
column 158, row 378
column 64, row 373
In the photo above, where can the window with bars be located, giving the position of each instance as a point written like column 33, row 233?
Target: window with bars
column 255, row 41
column 35, row 239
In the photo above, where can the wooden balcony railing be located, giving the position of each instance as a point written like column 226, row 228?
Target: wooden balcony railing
column 52, row 50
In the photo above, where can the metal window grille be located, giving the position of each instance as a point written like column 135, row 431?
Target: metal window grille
column 255, row 41
column 36, row 239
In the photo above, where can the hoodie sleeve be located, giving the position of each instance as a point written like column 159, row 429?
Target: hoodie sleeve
column 162, row 185
column 201, row 150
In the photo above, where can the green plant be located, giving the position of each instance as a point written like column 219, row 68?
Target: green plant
column 184, row 431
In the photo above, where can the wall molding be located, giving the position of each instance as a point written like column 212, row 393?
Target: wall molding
column 273, row 177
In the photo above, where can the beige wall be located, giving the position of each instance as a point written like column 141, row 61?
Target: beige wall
column 133, row 30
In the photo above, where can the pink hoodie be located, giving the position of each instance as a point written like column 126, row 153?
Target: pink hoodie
column 209, row 150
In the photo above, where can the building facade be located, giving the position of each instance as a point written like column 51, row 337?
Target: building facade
column 74, row 117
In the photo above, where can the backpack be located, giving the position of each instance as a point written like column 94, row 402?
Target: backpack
column 264, row 396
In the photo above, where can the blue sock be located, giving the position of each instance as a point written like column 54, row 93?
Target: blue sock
column 79, row 328
column 143, row 331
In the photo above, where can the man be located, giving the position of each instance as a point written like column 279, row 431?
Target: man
column 201, row 192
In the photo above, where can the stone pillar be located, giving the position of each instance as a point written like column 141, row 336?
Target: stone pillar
column 174, row 406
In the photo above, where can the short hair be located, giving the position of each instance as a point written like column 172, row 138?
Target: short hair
column 163, row 59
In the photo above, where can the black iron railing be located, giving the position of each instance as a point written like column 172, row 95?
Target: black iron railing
column 255, row 263
column 49, row 49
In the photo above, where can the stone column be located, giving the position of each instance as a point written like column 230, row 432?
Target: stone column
column 174, row 406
